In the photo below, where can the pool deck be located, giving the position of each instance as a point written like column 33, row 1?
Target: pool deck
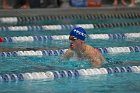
column 67, row 10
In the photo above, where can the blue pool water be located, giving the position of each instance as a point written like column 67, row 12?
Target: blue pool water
column 116, row 83
column 65, row 43
column 104, row 83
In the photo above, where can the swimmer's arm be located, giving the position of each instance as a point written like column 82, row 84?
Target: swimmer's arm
column 99, row 55
column 68, row 54
column 102, row 58
column 96, row 58
column 96, row 62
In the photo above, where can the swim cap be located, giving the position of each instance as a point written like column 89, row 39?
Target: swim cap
column 79, row 33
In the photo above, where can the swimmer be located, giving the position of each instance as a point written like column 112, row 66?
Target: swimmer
column 81, row 50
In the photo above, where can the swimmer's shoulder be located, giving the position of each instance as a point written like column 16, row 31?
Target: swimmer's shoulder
column 90, row 48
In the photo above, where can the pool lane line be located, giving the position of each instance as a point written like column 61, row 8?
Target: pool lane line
column 35, row 19
column 66, row 37
column 104, row 50
column 67, row 27
column 51, row 75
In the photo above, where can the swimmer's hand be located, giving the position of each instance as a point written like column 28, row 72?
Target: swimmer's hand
column 105, row 62
column 68, row 54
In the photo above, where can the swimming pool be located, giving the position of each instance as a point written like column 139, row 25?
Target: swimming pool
column 27, row 70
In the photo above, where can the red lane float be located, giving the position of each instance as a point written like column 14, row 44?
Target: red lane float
column 1, row 39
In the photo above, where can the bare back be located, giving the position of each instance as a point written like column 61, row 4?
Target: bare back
column 94, row 56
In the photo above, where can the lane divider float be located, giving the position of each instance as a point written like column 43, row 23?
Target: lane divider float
column 32, row 19
column 51, row 75
column 66, row 27
column 112, row 50
column 65, row 37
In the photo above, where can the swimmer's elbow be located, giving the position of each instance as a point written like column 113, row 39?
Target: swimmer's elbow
column 96, row 63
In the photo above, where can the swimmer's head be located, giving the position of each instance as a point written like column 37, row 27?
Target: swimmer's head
column 79, row 33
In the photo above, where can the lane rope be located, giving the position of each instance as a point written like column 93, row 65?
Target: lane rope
column 51, row 75
column 32, row 19
column 66, row 27
column 65, row 37
column 111, row 50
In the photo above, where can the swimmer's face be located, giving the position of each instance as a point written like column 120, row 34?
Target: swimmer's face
column 74, row 42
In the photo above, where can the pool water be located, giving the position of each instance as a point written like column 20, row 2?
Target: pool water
column 109, row 83
column 65, row 43
column 116, row 83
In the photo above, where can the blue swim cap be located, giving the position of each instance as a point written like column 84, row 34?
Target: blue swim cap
column 79, row 33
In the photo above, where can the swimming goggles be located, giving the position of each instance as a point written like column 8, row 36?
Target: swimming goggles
column 72, row 38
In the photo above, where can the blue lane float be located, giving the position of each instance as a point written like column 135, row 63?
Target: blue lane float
column 112, row 50
column 51, row 75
